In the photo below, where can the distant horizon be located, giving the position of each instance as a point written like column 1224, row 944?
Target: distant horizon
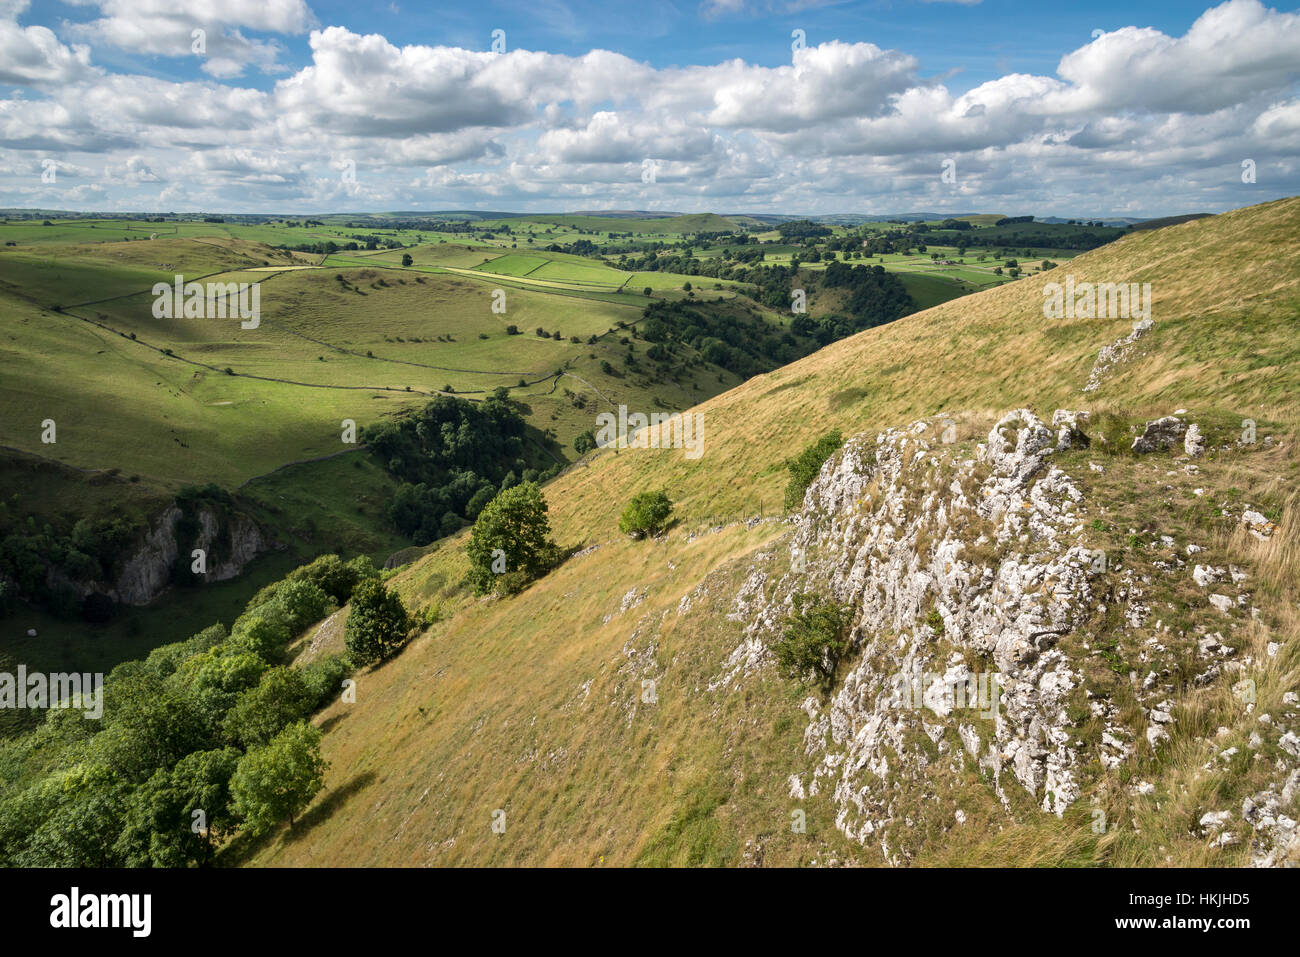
column 611, row 214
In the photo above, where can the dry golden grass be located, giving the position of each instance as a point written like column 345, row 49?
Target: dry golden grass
column 531, row 705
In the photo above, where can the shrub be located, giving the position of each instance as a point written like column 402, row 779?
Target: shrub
column 805, row 466
column 303, row 602
column 330, row 574
column 265, row 635
column 324, row 679
column 165, row 659
column 813, row 639
column 1114, row 432
column 362, row 567
column 647, row 514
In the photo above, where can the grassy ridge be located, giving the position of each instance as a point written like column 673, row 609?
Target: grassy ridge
column 534, row 705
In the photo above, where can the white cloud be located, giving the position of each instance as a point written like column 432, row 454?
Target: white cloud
column 33, row 56
column 167, row 28
column 844, row 126
column 1232, row 52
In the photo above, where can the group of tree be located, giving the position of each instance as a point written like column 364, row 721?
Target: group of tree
column 511, row 546
column 802, row 229
column 450, row 458
column 66, row 564
column 199, row 740
column 875, row 297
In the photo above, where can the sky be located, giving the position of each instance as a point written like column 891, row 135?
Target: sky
column 781, row 106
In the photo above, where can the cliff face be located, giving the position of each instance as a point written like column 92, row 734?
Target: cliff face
column 960, row 574
column 230, row 541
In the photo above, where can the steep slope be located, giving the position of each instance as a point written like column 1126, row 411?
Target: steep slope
column 625, row 709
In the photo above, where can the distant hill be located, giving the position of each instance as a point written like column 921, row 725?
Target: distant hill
column 1168, row 221
column 685, row 223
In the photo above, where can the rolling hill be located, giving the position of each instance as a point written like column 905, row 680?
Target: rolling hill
column 146, row 405
column 625, row 709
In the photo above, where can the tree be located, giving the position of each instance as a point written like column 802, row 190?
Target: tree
column 646, row 514
column 406, row 259
column 278, row 781
column 585, row 442
column 264, row 635
column 479, row 500
column 647, row 290
column 510, row 537
column 161, row 828
column 324, row 679
column 332, row 575
column 377, row 624
column 213, row 682
column 78, row 816
column 147, row 725
column 303, row 602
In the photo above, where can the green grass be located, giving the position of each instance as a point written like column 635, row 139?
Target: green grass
column 326, row 350
column 512, row 264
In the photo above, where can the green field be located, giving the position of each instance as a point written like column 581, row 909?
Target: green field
column 513, row 265
column 353, row 334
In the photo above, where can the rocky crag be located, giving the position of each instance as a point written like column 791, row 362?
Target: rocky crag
column 973, row 598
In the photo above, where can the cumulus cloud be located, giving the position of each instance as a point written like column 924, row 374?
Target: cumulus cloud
column 366, row 86
column 33, row 56
column 1232, row 52
column 211, row 31
column 843, row 126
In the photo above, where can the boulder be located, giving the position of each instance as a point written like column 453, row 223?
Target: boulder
column 1018, row 444
column 1070, row 425
column 1160, row 434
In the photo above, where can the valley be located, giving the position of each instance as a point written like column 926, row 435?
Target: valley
column 958, row 525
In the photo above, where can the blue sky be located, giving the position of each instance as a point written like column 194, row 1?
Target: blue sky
column 1077, row 110
column 980, row 40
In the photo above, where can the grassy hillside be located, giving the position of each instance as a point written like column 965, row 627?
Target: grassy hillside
column 358, row 338
column 356, row 335
column 536, row 705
